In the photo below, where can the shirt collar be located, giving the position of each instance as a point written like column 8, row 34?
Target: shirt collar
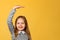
column 19, row 32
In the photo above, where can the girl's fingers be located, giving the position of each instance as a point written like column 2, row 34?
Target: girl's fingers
column 20, row 7
column 16, row 7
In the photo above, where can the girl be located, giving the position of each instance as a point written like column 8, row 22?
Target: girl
column 21, row 30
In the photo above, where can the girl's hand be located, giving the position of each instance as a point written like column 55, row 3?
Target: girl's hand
column 17, row 7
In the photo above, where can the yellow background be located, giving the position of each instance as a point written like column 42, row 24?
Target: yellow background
column 43, row 18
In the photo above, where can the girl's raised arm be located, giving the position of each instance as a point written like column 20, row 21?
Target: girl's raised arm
column 9, row 20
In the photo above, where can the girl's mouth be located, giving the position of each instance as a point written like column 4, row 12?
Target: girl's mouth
column 21, row 27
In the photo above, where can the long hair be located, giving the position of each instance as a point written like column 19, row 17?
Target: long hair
column 26, row 27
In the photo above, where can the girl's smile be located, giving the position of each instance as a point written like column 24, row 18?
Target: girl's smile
column 20, row 27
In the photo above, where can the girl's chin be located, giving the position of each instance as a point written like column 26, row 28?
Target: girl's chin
column 20, row 29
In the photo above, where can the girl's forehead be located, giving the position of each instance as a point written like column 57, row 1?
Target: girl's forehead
column 20, row 20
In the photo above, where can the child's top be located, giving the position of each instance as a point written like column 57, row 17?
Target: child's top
column 22, row 35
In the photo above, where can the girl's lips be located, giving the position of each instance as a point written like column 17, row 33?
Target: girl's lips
column 21, row 27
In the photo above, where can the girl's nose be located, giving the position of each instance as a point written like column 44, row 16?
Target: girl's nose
column 20, row 24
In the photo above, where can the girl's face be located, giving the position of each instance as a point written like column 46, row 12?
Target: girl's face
column 20, row 24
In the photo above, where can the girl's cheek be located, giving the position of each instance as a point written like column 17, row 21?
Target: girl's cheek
column 24, row 25
column 17, row 25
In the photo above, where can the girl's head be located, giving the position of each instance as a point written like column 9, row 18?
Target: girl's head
column 21, row 24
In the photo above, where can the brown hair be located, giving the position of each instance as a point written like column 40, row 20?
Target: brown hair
column 26, row 27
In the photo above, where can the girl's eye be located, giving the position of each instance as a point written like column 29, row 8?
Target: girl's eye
column 17, row 23
column 22, row 23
